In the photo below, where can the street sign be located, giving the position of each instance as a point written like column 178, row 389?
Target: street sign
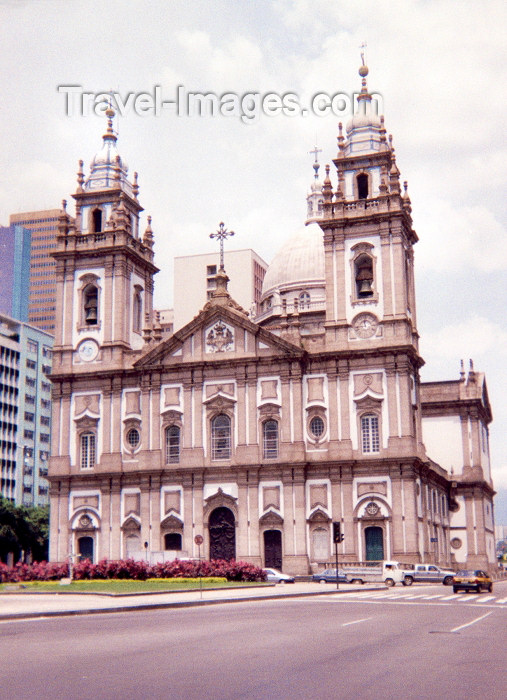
column 433, row 539
column 198, row 539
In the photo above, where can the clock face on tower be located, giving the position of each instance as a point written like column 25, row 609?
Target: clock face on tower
column 88, row 350
column 365, row 325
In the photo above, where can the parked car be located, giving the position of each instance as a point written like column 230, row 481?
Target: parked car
column 472, row 580
column 430, row 572
column 329, row 576
column 275, row 576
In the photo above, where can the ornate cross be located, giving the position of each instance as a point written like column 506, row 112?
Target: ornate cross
column 222, row 234
column 362, row 47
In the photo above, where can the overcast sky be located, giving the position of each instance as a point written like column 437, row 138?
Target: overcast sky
column 440, row 67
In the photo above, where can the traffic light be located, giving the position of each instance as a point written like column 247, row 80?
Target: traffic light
column 337, row 534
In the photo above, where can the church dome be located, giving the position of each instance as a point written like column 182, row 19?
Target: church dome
column 299, row 263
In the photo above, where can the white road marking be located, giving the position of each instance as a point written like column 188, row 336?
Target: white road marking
column 355, row 622
column 483, row 599
column 502, row 600
column 468, row 624
column 451, row 597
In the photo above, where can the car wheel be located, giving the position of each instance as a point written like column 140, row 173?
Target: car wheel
column 322, row 580
column 447, row 581
column 408, row 581
column 455, row 589
column 282, row 582
column 389, row 582
column 356, row 581
column 490, row 588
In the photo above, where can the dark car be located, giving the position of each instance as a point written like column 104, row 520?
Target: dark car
column 472, row 580
column 329, row 576
column 275, row 576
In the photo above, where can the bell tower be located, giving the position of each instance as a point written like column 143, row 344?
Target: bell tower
column 368, row 238
column 104, row 267
column 370, row 318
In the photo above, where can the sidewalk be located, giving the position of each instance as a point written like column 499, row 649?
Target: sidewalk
column 33, row 605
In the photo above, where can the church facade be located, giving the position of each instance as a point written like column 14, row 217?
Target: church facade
column 259, row 431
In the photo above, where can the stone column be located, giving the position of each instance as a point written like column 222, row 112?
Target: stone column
column 116, row 533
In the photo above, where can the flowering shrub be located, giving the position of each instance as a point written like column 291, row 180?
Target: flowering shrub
column 130, row 569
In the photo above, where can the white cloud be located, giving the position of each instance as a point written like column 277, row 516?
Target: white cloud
column 460, row 238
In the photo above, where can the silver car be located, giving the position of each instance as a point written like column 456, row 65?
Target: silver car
column 275, row 576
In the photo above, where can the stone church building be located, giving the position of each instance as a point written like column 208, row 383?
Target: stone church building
column 258, row 430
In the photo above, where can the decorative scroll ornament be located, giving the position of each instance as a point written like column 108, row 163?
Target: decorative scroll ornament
column 220, row 338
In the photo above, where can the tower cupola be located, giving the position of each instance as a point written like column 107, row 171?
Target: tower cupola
column 107, row 163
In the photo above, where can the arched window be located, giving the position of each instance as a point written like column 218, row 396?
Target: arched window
column 87, row 450
column 172, row 541
column 270, row 439
column 97, row 220
column 362, row 186
column 370, row 436
column 221, row 437
column 91, row 305
column 304, row 300
column 172, row 444
column 137, row 311
column 364, row 276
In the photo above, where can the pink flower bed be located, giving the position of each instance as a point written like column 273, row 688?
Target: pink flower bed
column 130, row 569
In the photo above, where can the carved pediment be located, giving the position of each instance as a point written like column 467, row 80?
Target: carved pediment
column 171, row 416
column 86, row 422
column 271, row 518
column 368, row 402
column 219, row 402
column 319, row 516
column 171, row 522
column 219, row 499
column 131, row 525
column 269, row 409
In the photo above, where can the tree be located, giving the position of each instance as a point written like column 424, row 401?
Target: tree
column 24, row 531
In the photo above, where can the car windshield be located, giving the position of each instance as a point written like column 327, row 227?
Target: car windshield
column 466, row 572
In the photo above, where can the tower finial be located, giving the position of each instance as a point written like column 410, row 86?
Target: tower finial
column 316, row 164
column 363, row 71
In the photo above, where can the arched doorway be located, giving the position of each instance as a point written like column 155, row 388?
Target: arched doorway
column 374, row 540
column 273, row 549
column 222, row 534
column 85, row 548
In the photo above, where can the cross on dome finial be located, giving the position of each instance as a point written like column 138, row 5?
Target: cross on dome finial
column 222, row 234
column 316, row 164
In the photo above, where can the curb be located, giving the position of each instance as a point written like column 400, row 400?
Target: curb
column 176, row 604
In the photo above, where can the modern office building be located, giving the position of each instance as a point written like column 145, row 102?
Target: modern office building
column 43, row 226
column 15, row 244
column 25, row 411
column 194, row 281
column 261, row 432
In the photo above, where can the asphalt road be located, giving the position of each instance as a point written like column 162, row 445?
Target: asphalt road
column 393, row 644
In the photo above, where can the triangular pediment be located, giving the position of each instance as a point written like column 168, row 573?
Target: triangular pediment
column 217, row 334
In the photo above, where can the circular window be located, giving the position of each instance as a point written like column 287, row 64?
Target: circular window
column 133, row 438
column 456, row 543
column 317, row 426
